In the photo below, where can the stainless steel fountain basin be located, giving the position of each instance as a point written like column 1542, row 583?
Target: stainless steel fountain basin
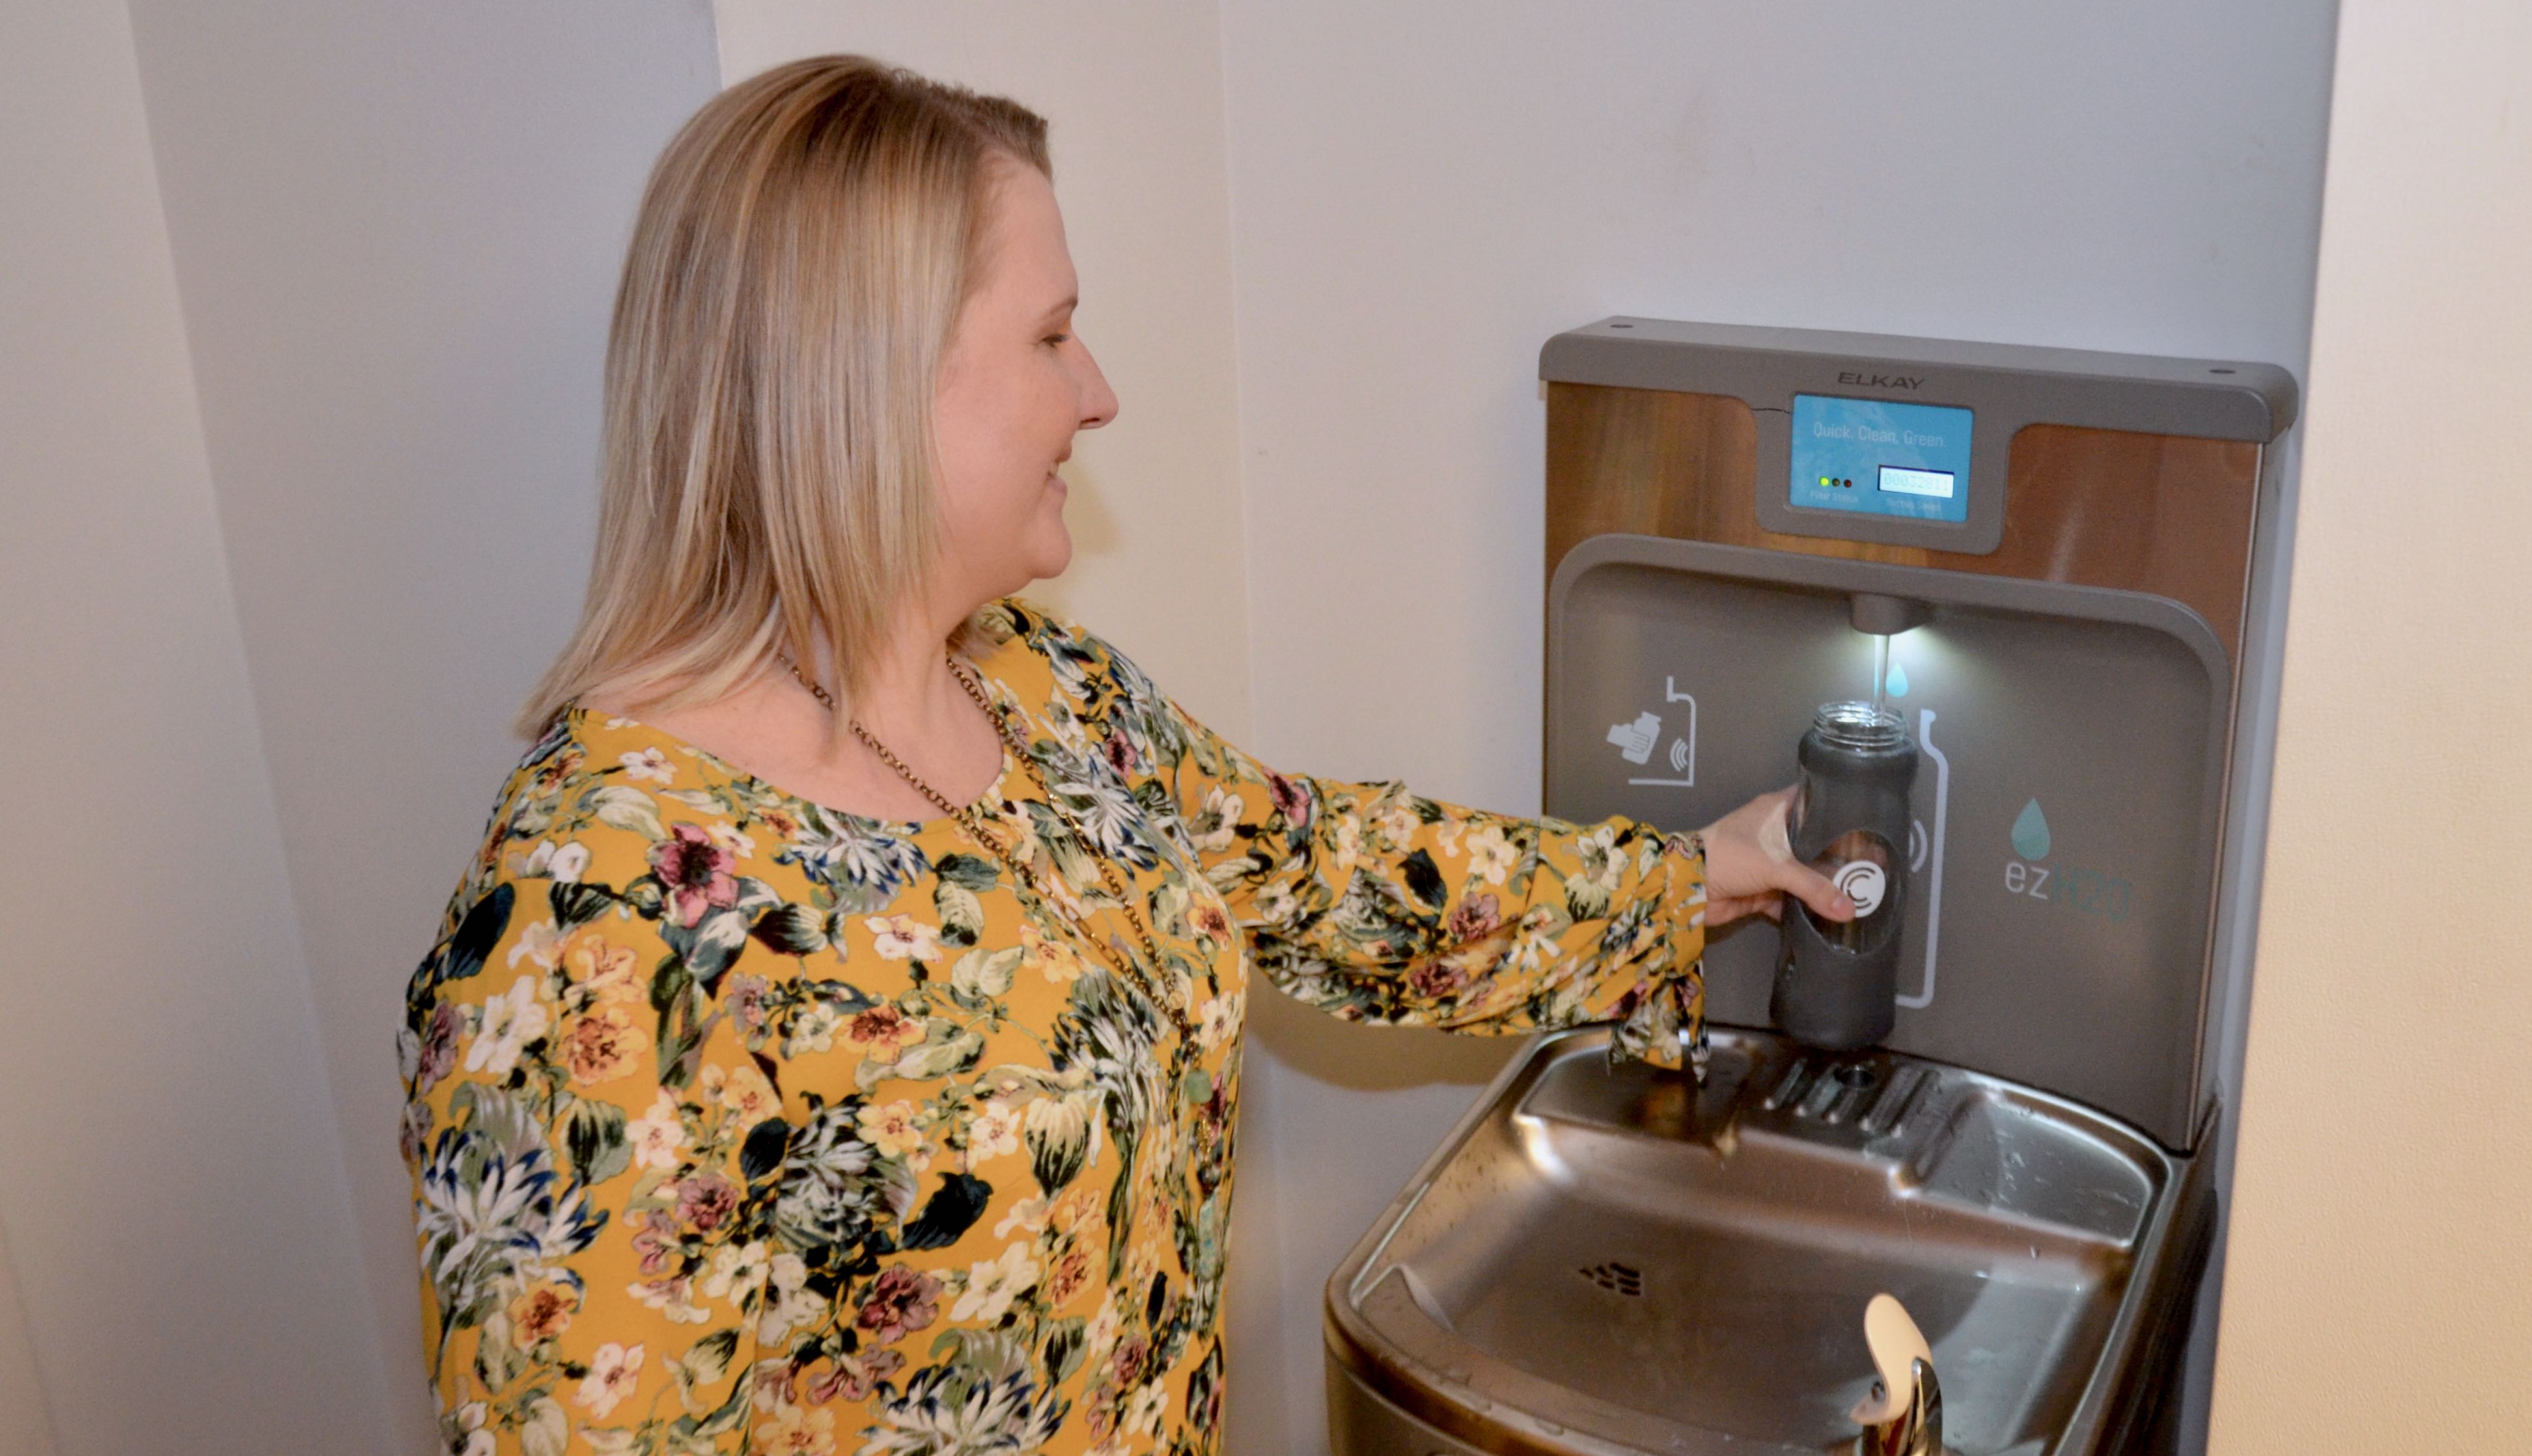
column 1611, row 1260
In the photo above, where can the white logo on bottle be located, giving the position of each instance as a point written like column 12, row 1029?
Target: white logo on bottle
column 1865, row 883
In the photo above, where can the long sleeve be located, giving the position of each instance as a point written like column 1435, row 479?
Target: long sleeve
column 594, row 1227
column 1373, row 904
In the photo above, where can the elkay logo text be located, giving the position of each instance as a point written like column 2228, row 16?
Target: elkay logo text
column 1879, row 381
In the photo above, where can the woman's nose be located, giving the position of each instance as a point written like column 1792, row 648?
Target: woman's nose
column 1098, row 400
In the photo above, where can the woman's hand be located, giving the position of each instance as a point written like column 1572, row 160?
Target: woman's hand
column 1749, row 866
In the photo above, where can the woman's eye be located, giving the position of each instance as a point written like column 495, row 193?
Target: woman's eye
column 1056, row 339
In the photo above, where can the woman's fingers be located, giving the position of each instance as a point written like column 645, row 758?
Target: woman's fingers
column 1750, row 866
column 1815, row 890
column 1775, row 816
column 1787, row 873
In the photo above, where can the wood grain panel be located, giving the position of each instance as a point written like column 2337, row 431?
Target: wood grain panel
column 2161, row 514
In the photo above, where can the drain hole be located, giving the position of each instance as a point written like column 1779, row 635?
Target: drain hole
column 1617, row 1279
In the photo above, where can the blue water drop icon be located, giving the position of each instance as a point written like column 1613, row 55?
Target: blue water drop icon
column 2031, row 832
column 1898, row 680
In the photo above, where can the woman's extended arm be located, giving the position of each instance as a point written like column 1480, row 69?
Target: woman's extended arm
column 1373, row 904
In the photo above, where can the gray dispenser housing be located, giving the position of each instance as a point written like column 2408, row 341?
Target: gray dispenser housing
column 2072, row 692
column 2079, row 967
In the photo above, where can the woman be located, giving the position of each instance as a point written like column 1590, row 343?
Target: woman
column 835, row 1045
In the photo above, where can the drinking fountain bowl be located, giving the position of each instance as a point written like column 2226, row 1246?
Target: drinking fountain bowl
column 1614, row 1258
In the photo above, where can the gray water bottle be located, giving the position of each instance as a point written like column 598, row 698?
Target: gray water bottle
column 1837, row 981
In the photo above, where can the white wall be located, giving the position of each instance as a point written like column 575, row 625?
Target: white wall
column 2380, row 1292
column 397, row 230
column 173, row 1198
column 1422, row 192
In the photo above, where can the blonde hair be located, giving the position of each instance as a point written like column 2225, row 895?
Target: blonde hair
column 767, row 482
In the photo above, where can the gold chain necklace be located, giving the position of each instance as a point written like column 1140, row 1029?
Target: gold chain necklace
column 968, row 820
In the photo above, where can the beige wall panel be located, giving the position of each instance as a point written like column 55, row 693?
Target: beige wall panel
column 2379, row 1294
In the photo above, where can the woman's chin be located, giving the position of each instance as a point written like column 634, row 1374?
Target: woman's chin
column 1055, row 557
column 1043, row 556
column 1051, row 543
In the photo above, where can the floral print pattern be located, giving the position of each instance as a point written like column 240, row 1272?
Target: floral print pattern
column 741, row 1124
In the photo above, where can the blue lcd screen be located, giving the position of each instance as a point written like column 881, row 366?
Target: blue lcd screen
column 1881, row 457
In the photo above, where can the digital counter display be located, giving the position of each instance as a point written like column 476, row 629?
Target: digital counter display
column 1899, row 479
column 1880, row 458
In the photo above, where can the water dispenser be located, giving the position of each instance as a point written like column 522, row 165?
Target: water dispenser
column 2041, row 564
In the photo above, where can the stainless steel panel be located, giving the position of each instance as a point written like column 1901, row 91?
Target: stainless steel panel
column 1615, row 1259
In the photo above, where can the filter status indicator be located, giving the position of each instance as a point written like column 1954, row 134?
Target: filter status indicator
column 1881, row 457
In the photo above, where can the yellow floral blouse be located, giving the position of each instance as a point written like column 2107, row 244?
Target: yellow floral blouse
column 741, row 1124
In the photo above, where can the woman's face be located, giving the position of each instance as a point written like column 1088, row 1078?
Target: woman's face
column 1015, row 384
